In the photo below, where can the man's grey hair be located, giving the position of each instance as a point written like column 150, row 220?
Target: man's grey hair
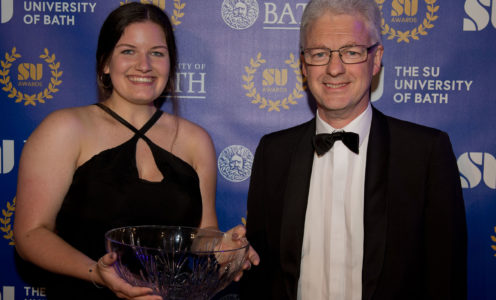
column 368, row 9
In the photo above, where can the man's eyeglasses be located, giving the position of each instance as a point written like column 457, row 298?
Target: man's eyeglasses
column 349, row 55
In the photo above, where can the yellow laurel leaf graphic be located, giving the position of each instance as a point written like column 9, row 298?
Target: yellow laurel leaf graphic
column 177, row 12
column 30, row 99
column 50, row 59
column 9, row 236
column 45, row 54
column 410, row 34
column 249, row 71
column 6, row 213
column 273, row 105
column 6, row 220
column 250, row 94
column 264, row 103
column 257, row 99
column 248, row 86
column 247, row 78
column 493, row 238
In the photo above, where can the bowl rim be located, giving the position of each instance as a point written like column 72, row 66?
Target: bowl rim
column 216, row 231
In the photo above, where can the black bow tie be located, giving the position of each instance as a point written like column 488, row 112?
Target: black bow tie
column 324, row 141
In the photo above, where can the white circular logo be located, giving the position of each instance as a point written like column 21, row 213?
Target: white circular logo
column 239, row 14
column 235, row 162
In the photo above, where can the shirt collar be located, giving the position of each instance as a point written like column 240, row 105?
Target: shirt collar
column 360, row 124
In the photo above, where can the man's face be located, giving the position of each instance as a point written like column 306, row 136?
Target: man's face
column 341, row 90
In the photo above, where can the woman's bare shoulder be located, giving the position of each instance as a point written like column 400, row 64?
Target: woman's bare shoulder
column 192, row 132
column 63, row 127
column 193, row 142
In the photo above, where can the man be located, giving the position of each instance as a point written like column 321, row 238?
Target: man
column 384, row 219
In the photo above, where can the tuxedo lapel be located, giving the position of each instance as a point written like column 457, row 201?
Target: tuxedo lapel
column 295, row 204
column 375, row 203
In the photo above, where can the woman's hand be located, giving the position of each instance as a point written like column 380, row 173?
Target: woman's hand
column 105, row 274
column 237, row 235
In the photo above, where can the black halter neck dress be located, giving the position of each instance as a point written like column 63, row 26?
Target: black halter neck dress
column 106, row 192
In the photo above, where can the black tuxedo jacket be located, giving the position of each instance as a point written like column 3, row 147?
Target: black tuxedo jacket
column 414, row 216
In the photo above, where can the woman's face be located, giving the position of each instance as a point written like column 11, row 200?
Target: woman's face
column 139, row 65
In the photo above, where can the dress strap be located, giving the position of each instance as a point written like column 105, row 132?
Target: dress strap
column 139, row 132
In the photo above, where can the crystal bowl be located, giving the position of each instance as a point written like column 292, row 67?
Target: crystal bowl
column 177, row 262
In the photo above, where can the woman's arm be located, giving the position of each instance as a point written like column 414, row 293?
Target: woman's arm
column 47, row 165
column 199, row 148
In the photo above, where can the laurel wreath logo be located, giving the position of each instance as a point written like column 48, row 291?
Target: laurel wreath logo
column 5, row 222
column 272, row 105
column 176, row 13
column 493, row 238
column 30, row 99
column 404, row 36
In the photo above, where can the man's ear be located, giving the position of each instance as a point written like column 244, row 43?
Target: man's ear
column 303, row 65
column 378, row 59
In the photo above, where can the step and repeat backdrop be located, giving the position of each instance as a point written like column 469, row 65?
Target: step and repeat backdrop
column 239, row 77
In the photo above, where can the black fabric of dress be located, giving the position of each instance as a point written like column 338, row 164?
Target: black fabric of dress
column 107, row 192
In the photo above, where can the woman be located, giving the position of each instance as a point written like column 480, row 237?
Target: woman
column 121, row 162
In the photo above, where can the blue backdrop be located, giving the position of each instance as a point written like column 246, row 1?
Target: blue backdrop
column 239, row 77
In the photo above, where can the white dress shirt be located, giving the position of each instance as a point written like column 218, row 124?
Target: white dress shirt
column 332, row 251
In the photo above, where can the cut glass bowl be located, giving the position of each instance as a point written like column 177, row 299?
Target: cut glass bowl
column 177, row 262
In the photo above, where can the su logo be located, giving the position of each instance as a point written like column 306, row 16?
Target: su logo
column 275, row 76
column 475, row 167
column 28, row 71
column 479, row 14
column 406, row 7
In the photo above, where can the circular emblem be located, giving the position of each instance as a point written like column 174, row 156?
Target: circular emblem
column 235, row 162
column 5, row 222
column 239, row 14
column 30, row 71
column 405, row 12
column 264, row 102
